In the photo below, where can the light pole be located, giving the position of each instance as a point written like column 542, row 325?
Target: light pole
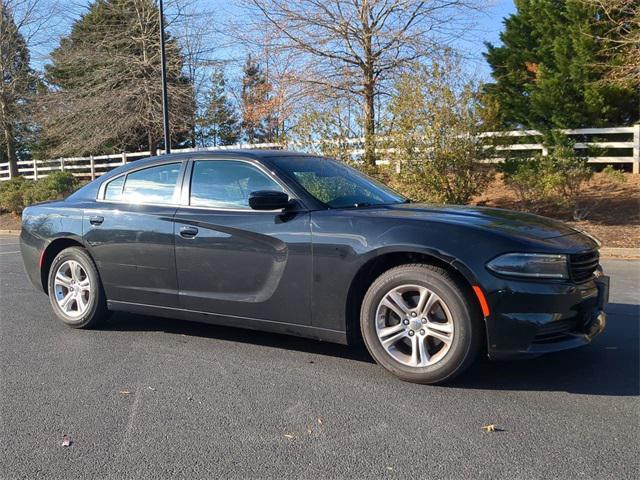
column 165, row 97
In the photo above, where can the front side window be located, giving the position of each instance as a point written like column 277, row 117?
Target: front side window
column 227, row 184
column 150, row 185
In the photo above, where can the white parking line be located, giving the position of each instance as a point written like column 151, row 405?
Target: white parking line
column 7, row 253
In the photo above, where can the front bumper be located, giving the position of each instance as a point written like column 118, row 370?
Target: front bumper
column 529, row 319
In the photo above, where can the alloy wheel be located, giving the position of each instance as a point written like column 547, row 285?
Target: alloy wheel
column 72, row 289
column 414, row 325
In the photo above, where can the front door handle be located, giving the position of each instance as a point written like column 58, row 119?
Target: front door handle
column 96, row 220
column 188, row 232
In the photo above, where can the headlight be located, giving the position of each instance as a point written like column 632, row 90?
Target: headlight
column 532, row 265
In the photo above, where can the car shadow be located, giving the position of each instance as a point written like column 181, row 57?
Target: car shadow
column 609, row 366
column 122, row 321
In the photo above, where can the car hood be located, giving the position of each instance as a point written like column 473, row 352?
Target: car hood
column 494, row 219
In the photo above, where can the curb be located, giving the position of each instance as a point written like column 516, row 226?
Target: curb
column 620, row 253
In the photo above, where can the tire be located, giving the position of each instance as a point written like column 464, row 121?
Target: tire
column 75, row 289
column 433, row 346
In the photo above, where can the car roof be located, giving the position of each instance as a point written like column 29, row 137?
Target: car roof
column 244, row 153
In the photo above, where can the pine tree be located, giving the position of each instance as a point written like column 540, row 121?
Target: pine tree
column 17, row 87
column 257, row 116
column 105, row 88
column 219, row 125
column 548, row 72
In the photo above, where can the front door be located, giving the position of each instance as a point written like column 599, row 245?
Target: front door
column 235, row 261
column 130, row 234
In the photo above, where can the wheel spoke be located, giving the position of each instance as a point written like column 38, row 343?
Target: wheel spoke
column 438, row 332
column 76, row 271
column 66, row 302
column 84, row 284
column 398, row 300
column 387, row 342
column 82, row 304
column 62, row 279
column 433, row 299
column 440, row 327
column 415, row 360
column 424, row 354
column 391, row 305
column 386, row 331
column 425, row 295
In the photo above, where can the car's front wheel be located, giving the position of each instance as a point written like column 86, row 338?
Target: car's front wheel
column 75, row 290
column 418, row 323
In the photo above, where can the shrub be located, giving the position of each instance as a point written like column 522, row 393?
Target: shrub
column 12, row 194
column 533, row 180
column 51, row 187
column 434, row 120
column 560, row 177
column 18, row 192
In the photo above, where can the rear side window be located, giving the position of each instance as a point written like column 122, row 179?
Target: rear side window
column 150, row 185
column 226, row 184
column 114, row 189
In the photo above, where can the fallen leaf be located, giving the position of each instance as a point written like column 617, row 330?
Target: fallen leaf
column 390, row 469
column 152, row 389
column 489, row 428
column 124, row 392
column 319, row 420
column 289, row 435
column 66, row 441
column 309, row 431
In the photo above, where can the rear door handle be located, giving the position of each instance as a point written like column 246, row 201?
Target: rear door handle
column 96, row 220
column 188, row 232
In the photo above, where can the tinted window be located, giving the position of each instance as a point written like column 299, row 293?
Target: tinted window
column 152, row 185
column 227, row 184
column 336, row 184
column 114, row 189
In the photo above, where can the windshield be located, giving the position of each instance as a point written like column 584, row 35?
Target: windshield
column 337, row 185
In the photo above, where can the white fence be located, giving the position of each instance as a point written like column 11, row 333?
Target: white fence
column 606, row 145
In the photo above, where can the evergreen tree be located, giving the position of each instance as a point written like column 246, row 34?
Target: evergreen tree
column 105, row 83
column 17, row 88
column 256, row 104
column 219, row 126
column 548, row 72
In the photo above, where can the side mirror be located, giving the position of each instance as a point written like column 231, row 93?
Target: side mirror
column 268, row 200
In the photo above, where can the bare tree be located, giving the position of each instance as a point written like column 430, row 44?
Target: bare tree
column 356, row 46
column 195, row 30
column 621, row 39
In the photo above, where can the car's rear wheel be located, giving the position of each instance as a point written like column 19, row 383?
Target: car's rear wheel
column 75, row 290
column 418, row 323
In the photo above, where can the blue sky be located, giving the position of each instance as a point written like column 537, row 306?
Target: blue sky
column 488, row 30
column 488, row 27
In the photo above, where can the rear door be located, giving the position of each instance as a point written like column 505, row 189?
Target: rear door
column 233, row 260
column 130, row 234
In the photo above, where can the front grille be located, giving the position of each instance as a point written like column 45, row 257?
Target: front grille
column 583, row 265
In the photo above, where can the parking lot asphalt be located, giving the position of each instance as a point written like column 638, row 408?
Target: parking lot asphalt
column 147, row 397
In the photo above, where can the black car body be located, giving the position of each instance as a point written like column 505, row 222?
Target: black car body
column 304, row 270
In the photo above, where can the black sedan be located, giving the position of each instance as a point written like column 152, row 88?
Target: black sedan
column 303, row 245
